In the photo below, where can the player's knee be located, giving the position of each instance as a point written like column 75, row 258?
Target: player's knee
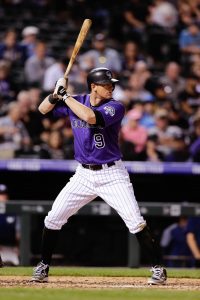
column 138, row 228
column 52, row 224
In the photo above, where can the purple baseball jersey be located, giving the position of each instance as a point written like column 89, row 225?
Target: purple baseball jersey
column 94, row 144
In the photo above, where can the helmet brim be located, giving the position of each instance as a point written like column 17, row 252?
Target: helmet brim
column 112, row 80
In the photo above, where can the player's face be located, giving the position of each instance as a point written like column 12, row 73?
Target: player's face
column 103, row 91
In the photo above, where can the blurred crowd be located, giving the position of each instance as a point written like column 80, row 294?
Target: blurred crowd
column 151, row 46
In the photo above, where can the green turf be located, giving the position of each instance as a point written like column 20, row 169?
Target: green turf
column 87, row 271
column 63, row 294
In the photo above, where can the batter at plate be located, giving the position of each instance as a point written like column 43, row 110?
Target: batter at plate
column 96, row 121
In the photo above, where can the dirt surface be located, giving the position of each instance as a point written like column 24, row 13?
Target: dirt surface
column 99, row 283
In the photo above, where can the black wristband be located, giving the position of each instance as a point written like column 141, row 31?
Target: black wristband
column 52, row 100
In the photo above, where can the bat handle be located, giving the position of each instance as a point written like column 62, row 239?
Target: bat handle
column 67, row 70
column 66, row 79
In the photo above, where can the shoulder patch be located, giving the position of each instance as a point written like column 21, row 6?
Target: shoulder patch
column 109, row 110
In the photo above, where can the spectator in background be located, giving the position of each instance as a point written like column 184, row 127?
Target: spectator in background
column 3, row 107
column 68, row 140
column 24, row 103
column 53, row 73
column 186, row 14
column 9, row 233
column 164, row 131
column 54, row 149
column 135, row 14
column 179, row 149
column 136, row 83
column 13, row 134
column 161, row 31
column 189, row 98
column 163, row 14
column 29, row 39
column 149, row 106
column 158, row 92
column 130, row 56
column 101, row 56
column 193, row 238
column 195, row 8
column 6, row 91
column 174, row 244
column 11, row 50
column 37, row 64
column 57, row 70
column 151, row 150
column 134, row 133
column 78, row 83
column 35, row 125
column 28, row 101
column 35, row 96
column 172, row 81
column 189, row 43
column 195, row 72
column 177, row 119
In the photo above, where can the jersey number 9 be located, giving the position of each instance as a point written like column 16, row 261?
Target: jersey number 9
column 99, row 140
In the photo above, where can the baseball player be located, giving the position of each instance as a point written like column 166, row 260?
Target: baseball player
column 95, row 120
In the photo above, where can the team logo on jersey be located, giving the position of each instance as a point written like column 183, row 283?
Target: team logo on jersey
column 109, row 110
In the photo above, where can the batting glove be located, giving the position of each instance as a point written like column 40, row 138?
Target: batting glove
column 60, row 88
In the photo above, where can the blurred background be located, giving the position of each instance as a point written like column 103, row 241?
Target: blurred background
column 153, row 48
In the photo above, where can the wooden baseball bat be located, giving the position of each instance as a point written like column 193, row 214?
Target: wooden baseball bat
column 80, row 39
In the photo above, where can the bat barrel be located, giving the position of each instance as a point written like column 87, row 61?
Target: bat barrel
column 80, row 39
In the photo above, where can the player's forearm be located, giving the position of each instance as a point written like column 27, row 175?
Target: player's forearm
column 45, row 106
column 83, row 112
column 193, row 245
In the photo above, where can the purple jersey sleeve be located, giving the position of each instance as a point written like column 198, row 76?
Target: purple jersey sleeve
column 112, row 112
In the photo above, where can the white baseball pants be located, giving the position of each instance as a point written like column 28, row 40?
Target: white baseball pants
column 112, row 184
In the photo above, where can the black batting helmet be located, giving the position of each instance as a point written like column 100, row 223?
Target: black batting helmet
column 100, row 76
